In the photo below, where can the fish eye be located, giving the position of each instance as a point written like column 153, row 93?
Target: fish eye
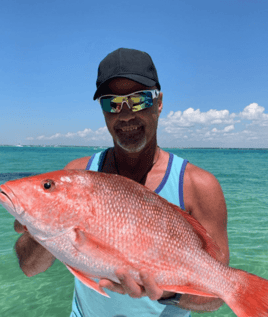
column 48, row 184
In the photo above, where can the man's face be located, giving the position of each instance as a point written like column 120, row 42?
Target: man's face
column 132, row 131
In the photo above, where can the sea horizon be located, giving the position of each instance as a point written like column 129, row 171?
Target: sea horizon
column 107, row 146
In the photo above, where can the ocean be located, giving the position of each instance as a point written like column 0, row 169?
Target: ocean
column 242, row 174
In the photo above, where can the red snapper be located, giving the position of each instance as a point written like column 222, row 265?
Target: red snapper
column 96, row 223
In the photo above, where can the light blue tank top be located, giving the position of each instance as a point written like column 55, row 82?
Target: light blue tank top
column 88, row 303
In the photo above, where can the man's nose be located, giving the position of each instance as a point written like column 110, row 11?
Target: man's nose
column 126, row 113
column 125, row 104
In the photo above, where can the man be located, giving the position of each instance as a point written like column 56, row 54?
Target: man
column 129, row 93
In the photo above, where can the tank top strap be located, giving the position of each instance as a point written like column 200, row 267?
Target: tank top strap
column 171, row 186
column 95, row 163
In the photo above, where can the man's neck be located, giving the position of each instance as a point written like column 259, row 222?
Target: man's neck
column 135, row 165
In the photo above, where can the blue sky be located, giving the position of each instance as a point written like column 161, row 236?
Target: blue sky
column 211, row 58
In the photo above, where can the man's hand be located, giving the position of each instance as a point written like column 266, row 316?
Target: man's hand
column 18, row 227
column 33, row 258
column 129, row 286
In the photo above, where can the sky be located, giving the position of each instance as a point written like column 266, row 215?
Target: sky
column 210, row 55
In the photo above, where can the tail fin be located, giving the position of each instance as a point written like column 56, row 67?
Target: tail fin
column 251, row 297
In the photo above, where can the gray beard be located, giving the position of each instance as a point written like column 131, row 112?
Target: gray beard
column 132, row 148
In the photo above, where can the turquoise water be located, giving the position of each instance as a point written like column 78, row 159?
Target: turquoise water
column 242, row 174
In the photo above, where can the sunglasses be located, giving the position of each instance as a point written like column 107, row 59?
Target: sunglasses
column 136, row 101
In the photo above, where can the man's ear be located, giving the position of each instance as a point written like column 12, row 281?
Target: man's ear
column 160, row 103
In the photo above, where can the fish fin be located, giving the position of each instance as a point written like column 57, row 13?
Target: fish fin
column 89, row 244
column 186, row 290
column 250, row 298
column 87, row 281
column 208, row 243
column 86, row 243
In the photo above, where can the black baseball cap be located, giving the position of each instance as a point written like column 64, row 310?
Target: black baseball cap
column 128, row 63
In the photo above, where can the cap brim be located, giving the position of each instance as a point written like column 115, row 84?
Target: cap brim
column 139, row 79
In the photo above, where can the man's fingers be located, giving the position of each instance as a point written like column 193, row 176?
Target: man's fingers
column 129, row 285
column 151, row 288
column 112, row 286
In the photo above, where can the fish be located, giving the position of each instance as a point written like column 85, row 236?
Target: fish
column 96, row 223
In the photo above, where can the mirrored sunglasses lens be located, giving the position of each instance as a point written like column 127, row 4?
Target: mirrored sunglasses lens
column 137, row 102
column 109, row 106
column 145, row 100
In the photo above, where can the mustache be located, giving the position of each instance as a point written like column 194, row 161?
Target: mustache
column 123, row 124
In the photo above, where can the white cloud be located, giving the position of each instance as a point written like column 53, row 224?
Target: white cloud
column 229, row 128
column 86, row 135
column 52, row 137
column 102, row 131
column 248, row 128
column 191, row 117
column 81, row 134
column 253, row 112
column 226, row 129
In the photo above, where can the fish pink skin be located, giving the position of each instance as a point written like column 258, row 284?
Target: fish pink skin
column 96, row 223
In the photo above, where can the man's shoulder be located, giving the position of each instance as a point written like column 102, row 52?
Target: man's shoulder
column 201, row 190
column 80, row 163
column 198, row 177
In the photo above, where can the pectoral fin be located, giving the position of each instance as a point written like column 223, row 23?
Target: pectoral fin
column 89, row 244
column 87, row 281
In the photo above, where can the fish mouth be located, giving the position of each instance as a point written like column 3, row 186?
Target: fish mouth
column 9, row 201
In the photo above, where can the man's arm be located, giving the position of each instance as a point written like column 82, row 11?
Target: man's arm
column 204, row 200
column 33, row 257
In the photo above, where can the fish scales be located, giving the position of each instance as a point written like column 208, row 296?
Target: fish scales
column 154, row 229
column 96, row 223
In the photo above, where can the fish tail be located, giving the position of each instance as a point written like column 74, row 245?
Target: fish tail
column 251, row 296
